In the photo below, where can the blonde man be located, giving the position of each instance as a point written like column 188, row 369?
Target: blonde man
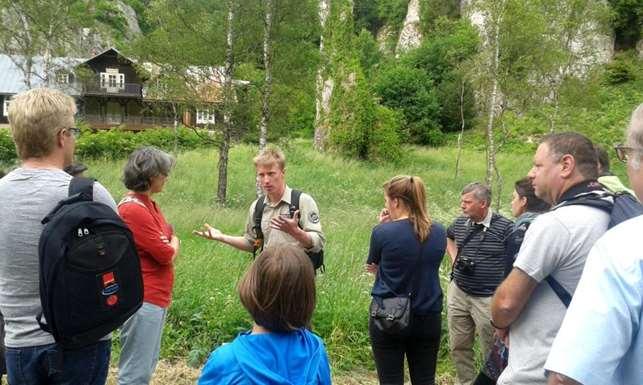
column 42, row 126
column 279, row 225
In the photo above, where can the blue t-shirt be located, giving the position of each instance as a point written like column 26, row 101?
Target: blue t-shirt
column 395, row 248
column 295, row 358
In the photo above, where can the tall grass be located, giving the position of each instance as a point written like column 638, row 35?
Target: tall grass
column 206, row 311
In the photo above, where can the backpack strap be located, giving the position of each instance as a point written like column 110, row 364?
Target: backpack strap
column 131, row 199
column 80, row 189
column 257, row 215
column 603, row 200
column 560, row 291
column 295, row 195
column 82, row 186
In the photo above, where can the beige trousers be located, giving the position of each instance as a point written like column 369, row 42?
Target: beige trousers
column 466, row 315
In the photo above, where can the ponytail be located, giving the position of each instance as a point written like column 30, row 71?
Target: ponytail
column 410, row 189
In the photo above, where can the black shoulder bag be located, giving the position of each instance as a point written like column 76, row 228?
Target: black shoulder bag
column 393, row 315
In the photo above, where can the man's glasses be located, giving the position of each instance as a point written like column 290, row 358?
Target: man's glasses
column 623, row 152
column 73, row 131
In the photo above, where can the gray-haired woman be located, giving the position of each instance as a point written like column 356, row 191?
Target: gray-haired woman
column 145, row 174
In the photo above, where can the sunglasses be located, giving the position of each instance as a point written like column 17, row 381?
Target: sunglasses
column 623, row 152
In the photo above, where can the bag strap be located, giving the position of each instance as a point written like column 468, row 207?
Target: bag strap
column 560, row 291
column 131, row 199
column 80, row 189
column 82, row 186
column 295, row 195
column 258, row 213
column 592, row 199
column 478, row 227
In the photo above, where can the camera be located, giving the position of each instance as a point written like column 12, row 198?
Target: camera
column 465, row 265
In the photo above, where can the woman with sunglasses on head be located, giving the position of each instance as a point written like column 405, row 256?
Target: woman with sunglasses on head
column 405, row 253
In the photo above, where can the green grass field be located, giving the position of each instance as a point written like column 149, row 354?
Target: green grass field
column 206, row 311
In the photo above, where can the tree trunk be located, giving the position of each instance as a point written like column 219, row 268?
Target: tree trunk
column 324, row 86
column 228, row 100
column 491, row 150
column 267, row 62
column 461, row 134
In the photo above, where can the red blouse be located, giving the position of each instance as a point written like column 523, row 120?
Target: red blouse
column 147, row 225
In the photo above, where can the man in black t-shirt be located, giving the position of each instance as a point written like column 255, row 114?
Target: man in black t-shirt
column 476, row 243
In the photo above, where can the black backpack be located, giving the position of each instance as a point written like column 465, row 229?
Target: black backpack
column 90, row 273
column 317, row 258
column 621, row 207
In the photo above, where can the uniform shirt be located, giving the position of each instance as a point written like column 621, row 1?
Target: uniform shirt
column 308, row 219
column 556, row 244
column 396, row 249
column 27, row 196
column 600, row 340
column 147, row 223
column 487, row 248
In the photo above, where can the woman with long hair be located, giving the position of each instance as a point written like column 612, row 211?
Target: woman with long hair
column 278, row 291
column 405, row 253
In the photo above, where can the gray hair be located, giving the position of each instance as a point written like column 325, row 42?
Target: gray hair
column 143, row 164
column 634, row 135
column 481, row 191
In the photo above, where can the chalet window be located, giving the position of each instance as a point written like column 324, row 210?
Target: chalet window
column 5, row 107
column 205, row 117
column 112, row 79
column 62, row 77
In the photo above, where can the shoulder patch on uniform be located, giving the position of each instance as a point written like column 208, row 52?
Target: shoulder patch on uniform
column 314, row 217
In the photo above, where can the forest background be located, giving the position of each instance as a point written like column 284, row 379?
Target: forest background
column 355, row 91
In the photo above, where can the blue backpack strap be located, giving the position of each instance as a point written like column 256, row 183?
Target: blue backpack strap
column 84, row 187
column 560, row 291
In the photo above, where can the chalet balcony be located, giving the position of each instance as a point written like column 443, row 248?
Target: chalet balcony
column 131, row 123
column 113, row 89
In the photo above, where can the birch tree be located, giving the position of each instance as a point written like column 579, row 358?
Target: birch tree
column 268, row 7
column 33, row 28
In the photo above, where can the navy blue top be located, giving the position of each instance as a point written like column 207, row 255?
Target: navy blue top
column 395, row 248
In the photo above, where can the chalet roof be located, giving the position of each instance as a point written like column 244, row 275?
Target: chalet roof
column 12, row 78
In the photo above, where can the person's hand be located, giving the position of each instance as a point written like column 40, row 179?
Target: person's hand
column 164, row 239
column 285, row 224
column 384, row 216
column 208, row 232
column 371, row 268
column 503, row 335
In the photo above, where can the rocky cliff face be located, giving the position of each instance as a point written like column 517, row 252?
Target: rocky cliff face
column 410, row 36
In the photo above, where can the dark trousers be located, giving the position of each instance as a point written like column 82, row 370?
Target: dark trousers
column 38, row 365
column 420, row 346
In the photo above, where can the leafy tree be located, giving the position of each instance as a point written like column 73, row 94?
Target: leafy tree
column 627, row 22
column 410, row 91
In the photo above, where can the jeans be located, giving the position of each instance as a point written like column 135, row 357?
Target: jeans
column 42, row 365
column 421, row 347
column 141, row 344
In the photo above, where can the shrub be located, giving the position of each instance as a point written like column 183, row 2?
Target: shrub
column 360, row 128
column 7, row 148
column 118, row 144
column 621, row 70
column 410, row 91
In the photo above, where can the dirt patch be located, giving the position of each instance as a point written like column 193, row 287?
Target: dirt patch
column 179, row 373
